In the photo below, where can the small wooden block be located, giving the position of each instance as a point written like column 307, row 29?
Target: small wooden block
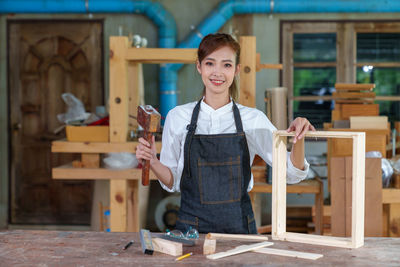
column 209, row 246
column 354, row 86
column 167, row 247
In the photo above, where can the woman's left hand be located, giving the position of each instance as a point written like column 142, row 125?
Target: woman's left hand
column 300, row 126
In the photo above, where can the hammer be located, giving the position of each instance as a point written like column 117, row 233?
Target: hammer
column 149, row 119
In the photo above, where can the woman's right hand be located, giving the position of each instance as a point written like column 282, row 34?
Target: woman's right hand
column 146, row 151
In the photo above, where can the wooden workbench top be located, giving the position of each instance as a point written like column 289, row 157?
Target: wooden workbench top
column 63, row 248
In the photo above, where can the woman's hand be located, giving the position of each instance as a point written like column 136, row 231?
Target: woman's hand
column 300, row 126
column 147, row 151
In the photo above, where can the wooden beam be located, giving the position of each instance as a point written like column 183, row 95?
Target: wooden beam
column 369, row 122
column 95, row 147
column 247, row 95
column 68, row 172
column 390, row 195
column 118, row 193
column 354, row 86
column 162, row 55
column 238, row 250
column 304, row 187
column 289, row 253
column 235, row 237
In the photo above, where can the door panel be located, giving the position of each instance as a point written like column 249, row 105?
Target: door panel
column 45, row 60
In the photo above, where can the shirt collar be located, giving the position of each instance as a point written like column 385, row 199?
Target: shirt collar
column 222, row 110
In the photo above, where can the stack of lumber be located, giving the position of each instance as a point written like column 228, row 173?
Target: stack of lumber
column 354, row 100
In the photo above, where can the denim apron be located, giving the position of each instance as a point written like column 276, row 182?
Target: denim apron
column 214, row 181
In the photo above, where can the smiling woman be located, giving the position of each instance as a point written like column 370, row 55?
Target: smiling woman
column 208, row 147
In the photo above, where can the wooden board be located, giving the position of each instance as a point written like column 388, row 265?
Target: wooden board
column 248, row 71
column 369, row 122
column 354, row 86
column 348, row 110
column 289, row 253
column 238, row 250
column 341, row 184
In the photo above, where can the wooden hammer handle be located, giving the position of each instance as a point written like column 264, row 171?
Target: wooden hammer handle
column 146, row 163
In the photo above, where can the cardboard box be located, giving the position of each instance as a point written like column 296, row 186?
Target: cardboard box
column 88, row 133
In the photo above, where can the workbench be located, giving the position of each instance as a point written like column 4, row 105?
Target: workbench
column 67, row 248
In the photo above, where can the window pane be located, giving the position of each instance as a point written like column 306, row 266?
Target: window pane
column 314, row 47
column 387, row 82
column 314, row 81
column 378, row 47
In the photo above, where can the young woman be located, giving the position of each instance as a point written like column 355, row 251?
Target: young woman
column 208, row 147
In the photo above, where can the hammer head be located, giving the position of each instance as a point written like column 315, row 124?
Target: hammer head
column 148, row 118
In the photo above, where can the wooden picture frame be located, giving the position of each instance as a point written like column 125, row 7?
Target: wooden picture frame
column 279, row 160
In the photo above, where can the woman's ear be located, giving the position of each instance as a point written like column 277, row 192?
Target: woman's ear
column 237, row 69
column 198, row 66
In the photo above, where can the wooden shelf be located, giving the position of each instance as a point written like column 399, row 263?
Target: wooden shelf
column 162, row 55
column 95, row 147
column 68, row 172
column 304, row 187
column 390, row 195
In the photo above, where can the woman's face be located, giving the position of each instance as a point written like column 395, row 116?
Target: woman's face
column 218, row 70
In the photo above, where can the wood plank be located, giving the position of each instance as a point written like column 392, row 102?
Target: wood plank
column 279, row 159
column 162, row 55
column 304, row 187
column 343, row 242
column 118, row 216
column 340, row 94
column 390, row 195
column 349, row 110
column 354, row 86
column 235, row 237
column 248, row 71
column 238, row 250
column 369, row 122
column 394, row 220
column 167, row 247
column 96, row 147
column 358, row 191
column 289, row 253
column 68, row 172
column 314, row 64
column 134, row 216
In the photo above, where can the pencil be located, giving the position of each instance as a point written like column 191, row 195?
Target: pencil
column 184, row 256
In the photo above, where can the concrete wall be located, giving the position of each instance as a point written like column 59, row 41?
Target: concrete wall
column 265, row 27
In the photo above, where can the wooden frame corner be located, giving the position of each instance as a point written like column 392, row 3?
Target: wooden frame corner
column 279, row 192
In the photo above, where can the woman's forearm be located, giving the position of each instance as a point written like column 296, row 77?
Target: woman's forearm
column 163, row 173
column 297, row 155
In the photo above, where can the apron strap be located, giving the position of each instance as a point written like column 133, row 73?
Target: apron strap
column 191, row 130
column 238, row 120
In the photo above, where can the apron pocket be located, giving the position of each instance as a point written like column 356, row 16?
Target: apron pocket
column 220, row 182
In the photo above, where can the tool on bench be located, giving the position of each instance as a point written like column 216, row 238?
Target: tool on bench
column 149, row 119
column 145, row 239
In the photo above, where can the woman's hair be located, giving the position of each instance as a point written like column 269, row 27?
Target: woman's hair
column 213, row 42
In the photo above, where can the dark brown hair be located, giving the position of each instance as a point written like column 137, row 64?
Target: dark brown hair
column 213, row 42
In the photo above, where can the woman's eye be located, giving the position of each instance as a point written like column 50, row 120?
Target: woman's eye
column 227, row 65
column 209, row 64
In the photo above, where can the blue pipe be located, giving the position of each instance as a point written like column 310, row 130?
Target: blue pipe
column 153, row 10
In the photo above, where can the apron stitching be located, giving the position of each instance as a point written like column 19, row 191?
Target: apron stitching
column 200, row 182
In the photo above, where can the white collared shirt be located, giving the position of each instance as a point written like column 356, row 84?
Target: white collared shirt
column 256, row 125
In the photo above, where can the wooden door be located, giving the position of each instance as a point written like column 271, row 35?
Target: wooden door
column 46, row 59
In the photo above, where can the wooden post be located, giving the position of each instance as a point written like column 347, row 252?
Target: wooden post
column 279, row 185
column 248, row 71
column 118, row 127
